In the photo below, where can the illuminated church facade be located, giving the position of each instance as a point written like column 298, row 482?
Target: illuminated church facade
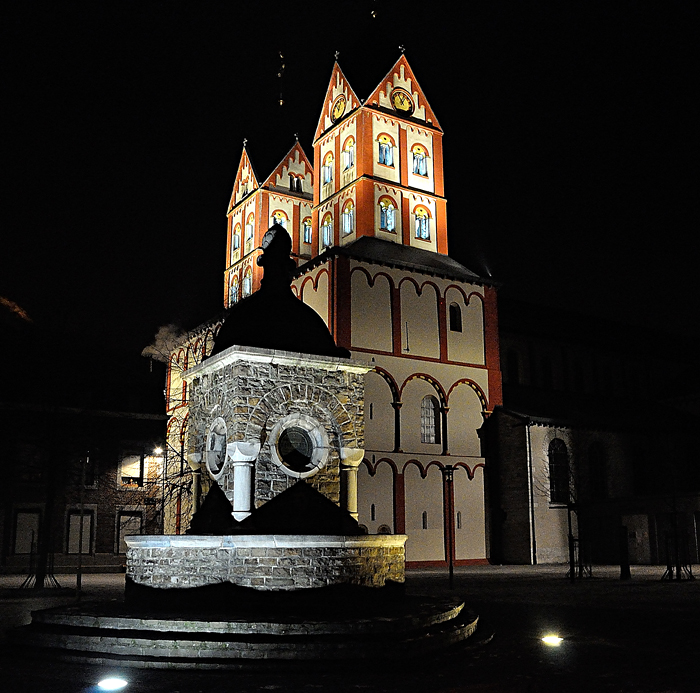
column 368, row 222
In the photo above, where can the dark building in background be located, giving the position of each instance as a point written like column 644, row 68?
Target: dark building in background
column 596, row 433
column 81, row 432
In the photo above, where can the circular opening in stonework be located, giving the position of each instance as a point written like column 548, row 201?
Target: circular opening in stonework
column 296, row 448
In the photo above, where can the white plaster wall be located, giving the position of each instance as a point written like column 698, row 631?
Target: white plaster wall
column 470, row 539
column 379, row 414
column 377, row 490
column 419, row 320
column 317, row 298
column 463, row 420
column 371, row 313
column 551, row 521
column 424, row 495
column 466, row 346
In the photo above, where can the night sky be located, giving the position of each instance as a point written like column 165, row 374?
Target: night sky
column 570, row 146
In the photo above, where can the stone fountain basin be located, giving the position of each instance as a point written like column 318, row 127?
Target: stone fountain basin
column 265, row 561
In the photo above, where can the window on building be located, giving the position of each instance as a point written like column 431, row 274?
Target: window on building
column 387, row 214
column 295, row 184
column 131, row 471
column 373, row 512
column 307, row 232
column 459, row 519
column 327, row 231
column 386, row 150
column 348, row 219
column 73, row 544
column 424, row 519
column 430, row 420
column 233, row 290
column 26, row 539
column 249, row 228
column 247, row 282
column 420, row 160
column 129, row 522
column 559, row 472
column 348, row 160
column 280, row 218
column 327, row 169
column 237, row 237
column 455, row 317
column 422, row 222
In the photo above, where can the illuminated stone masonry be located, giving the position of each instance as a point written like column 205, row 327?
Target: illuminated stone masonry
column 265, row 562
column 262, row 420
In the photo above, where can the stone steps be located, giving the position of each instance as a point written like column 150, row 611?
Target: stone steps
column 87, row 635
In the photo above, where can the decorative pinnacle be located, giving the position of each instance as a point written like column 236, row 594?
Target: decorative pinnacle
column 337, row 54
column 402, row 49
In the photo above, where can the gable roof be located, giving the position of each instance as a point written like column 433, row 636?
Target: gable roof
column 337, row 86
column 295, row 158
column 401, row 76
column 245, row 172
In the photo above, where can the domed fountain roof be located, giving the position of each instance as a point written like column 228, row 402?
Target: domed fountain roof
column 273, row 317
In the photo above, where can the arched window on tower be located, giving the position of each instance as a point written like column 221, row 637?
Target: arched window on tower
column 327, row 169
column 387, row 214
column 386, row 149
column 327, row 231
column 237, row 237
column 420, row 160
column 306, row 230
column 280, row 218
column 348, row 219
column 233, row 290
column 247, row 281
column 455, row 318
column 429, row 420
column 348, row 159
column 249, row 232
column 559, row 472
column 422, row 223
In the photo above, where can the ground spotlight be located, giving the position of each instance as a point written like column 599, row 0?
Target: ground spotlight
column 112, row 684
column 552, row 640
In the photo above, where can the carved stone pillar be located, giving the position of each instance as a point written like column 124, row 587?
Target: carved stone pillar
column 350, row 459
column 240, row 457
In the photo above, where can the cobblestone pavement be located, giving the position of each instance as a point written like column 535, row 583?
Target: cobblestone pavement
column 637, row 636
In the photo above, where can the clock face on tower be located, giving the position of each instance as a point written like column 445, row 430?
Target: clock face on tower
column 402, row 101
column 338, row 108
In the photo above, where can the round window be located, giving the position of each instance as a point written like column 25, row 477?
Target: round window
column 295, row 449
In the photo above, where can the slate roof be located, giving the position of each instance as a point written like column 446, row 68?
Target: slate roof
column 391, row 254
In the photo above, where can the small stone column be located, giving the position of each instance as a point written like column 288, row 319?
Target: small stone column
column 194, row 460
column 350, row 459
column 241, row 457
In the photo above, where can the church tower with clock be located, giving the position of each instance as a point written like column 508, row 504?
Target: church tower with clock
column 368, row 222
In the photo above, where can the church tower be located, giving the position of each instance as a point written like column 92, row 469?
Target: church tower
column 285, row 198
column 378, row 165
column 369, row 234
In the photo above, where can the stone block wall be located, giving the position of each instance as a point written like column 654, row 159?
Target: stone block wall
column 265, row 562
column 253, row 389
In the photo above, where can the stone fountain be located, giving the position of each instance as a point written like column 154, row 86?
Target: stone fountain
column 275, row 565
